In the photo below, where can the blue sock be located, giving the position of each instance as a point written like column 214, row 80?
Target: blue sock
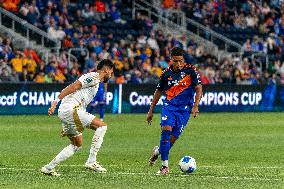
column 165, row 144
column 101, row 111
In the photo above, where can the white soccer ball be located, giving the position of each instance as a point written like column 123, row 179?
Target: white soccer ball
column 187, row 164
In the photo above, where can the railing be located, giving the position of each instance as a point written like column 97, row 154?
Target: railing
column 262, row 58
column 46, row 54
column 221, row 41
column 171, row 24
column 193, row 27
column 173, row 15
column 26, row 29
column 15, row 37
column 232, row 55
column 71, row 56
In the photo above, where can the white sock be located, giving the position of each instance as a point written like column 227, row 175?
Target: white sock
column 97, row 141
column 165, row 163
column 157, row 152
column 67, row 152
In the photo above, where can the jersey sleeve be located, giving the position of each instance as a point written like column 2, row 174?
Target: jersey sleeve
column 161, row 84
column 195, row 77
column 88, row 80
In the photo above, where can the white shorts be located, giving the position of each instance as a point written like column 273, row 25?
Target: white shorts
column 74, row 121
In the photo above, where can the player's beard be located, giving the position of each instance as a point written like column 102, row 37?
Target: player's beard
column 106, row 78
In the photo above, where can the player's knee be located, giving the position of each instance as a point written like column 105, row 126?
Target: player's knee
column 79, row 144
column 102, row 124
column 167, row 127
column 96, row 123
column 77, row 141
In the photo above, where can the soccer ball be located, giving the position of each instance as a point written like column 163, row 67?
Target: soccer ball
column 187, row 164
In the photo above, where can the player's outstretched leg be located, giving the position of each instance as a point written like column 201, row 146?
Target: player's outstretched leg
column 68, row 151
column 97, row 141
column 156, row 151
column 165, row 148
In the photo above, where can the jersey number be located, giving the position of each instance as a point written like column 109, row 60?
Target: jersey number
column 89, row 80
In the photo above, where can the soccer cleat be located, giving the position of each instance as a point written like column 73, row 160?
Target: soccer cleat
column 154, row 156
column 164, row 170
column 95, row 167
column 49, row 172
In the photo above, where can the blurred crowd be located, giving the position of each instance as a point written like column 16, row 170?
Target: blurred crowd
column 142, row 56
column 262, row 22
column 27, row 66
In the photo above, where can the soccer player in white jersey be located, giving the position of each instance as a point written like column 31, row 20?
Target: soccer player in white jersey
column 72, row 113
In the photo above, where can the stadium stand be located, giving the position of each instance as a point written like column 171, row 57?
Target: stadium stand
column 260, row 27
column 139, row 51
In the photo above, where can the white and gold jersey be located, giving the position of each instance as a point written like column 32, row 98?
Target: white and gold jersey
column 82, row 97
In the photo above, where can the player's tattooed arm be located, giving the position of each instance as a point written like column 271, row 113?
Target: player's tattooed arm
column 198, row 95
column 66, row 91
column 156, row 98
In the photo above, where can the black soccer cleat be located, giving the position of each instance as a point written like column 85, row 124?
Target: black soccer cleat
column 154, row 156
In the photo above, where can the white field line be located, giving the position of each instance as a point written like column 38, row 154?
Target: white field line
column 202, row 166
column 150, row 174
column 252, row 167
column 16, row 169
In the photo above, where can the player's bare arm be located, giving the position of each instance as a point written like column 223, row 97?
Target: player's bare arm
column 156, row 98
column 198, row 90
column 66, row 91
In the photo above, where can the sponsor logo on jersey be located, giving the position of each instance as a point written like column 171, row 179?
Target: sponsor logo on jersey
column 164, row 118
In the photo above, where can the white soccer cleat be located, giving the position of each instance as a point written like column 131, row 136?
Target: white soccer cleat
column 163, row 171
column 95, row 167
column 49, row 172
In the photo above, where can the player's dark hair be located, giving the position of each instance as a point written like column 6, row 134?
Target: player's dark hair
column 177, row 51
column 105, row 63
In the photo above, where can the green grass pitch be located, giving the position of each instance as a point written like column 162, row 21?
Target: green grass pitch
column 238, row 150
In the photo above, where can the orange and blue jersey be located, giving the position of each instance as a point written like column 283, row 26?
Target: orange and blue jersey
column 179, row 87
